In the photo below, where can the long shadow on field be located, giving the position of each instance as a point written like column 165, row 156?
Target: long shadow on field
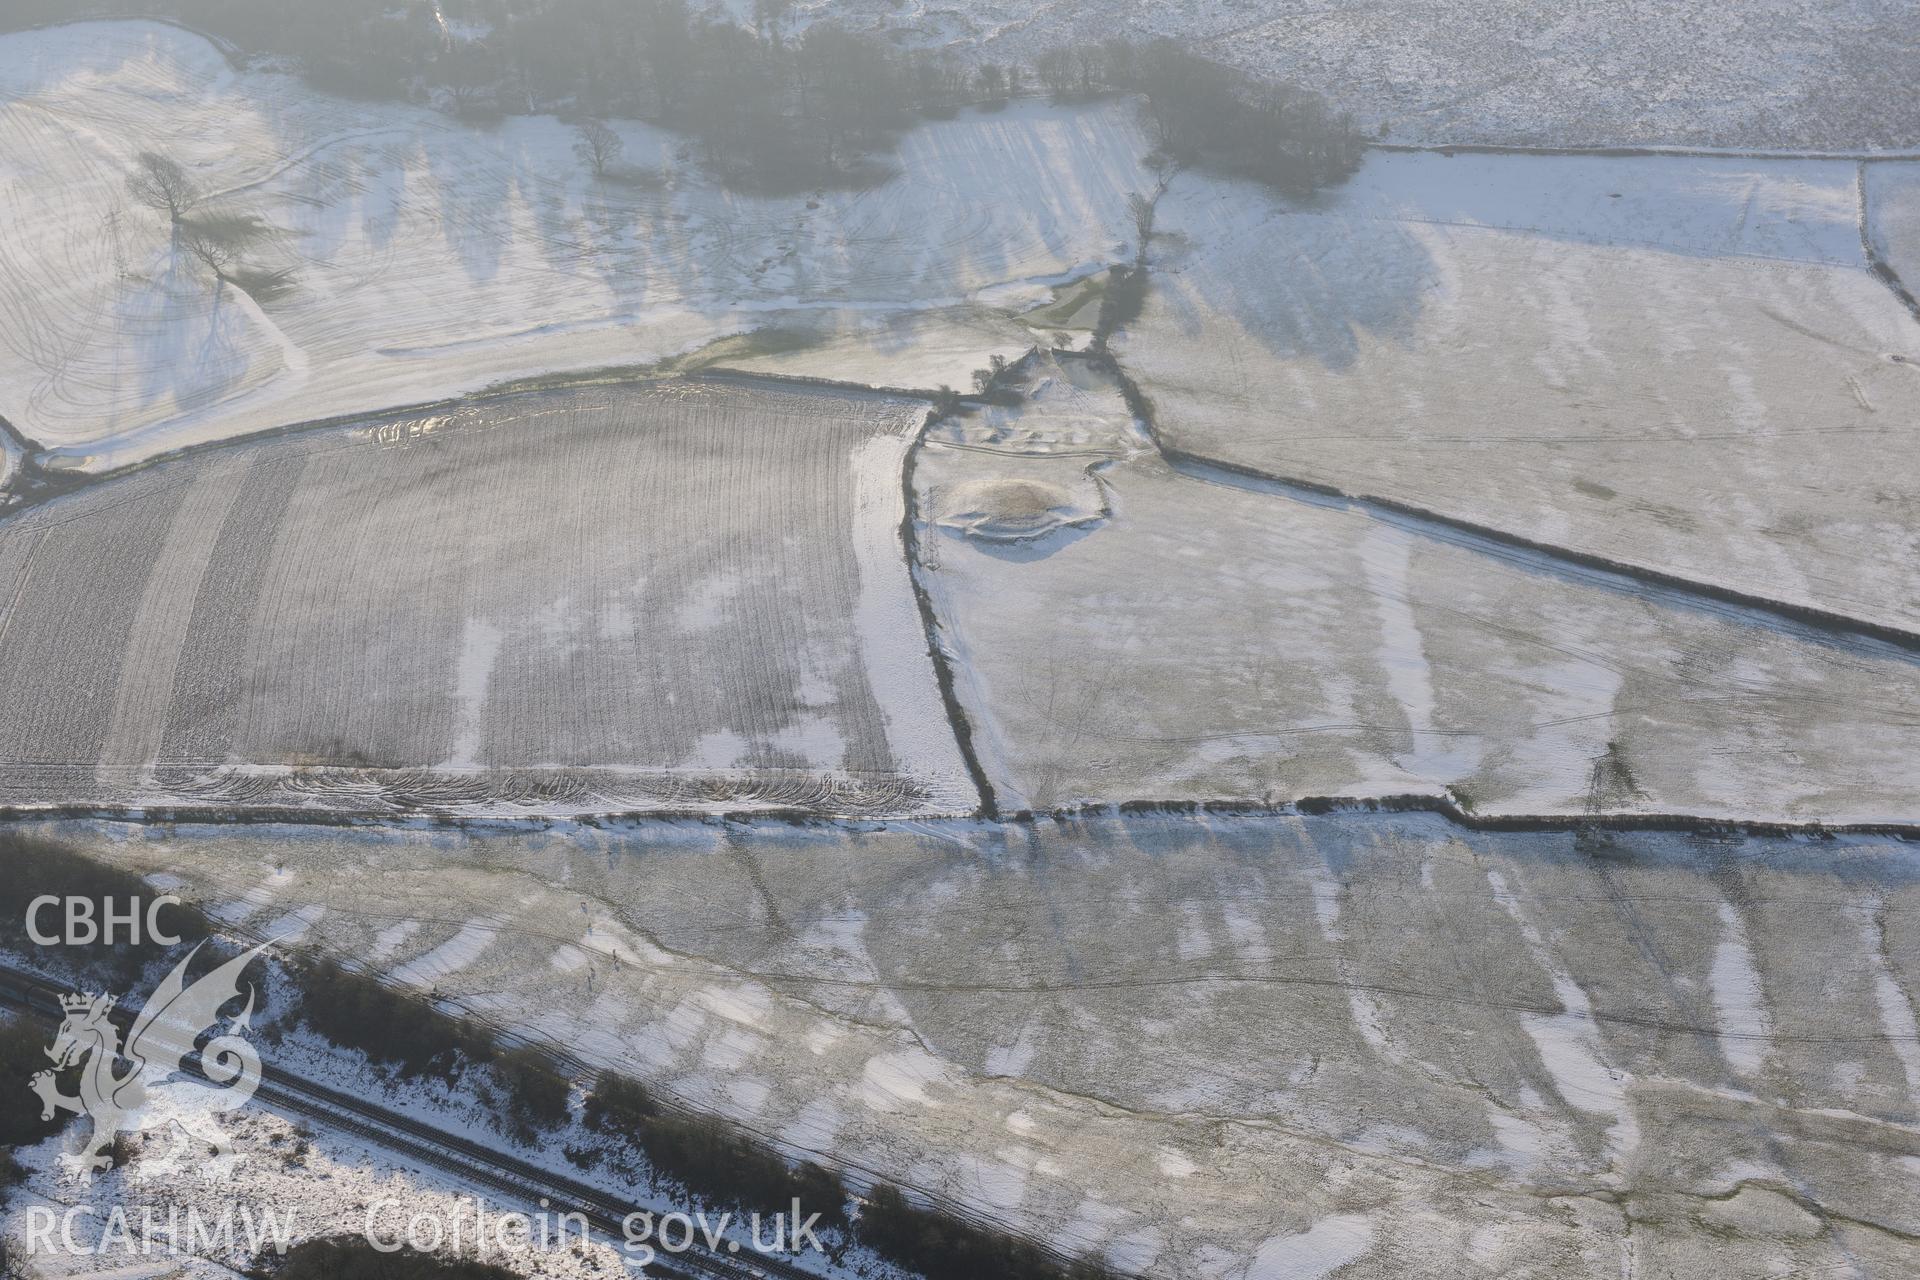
column 1305, row 284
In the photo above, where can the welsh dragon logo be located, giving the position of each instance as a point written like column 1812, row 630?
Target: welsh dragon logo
column 154, row 1092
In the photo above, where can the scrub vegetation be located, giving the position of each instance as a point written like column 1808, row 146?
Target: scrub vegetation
column 709, row 1158
column 706, row 1157
column 355, row 1258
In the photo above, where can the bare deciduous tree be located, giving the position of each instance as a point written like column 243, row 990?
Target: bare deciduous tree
column 1140, row 209
column 471, row 74
column 1056, row 69
column 162, row 185
column 598, row 146
column 768, row 14
column 220, row 240
column 1090, row 61
column 216, row 252
column 855, row 91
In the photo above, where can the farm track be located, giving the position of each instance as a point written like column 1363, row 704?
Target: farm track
column 449, row 1153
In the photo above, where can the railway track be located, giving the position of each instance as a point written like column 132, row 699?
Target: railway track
column 473, row 1163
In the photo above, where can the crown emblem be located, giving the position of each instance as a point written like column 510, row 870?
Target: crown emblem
column 81, row 1002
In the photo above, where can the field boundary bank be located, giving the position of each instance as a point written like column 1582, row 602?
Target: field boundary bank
column 1877, row 263
column 958, row 721
column 1653, row 151
column 637, row 821
column 1832, row 624
column 1826, row 623
column 41, row 484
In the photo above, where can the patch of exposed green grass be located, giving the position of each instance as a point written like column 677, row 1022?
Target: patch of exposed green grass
column 1078, row 307
column 739, row 346
column 771, row 341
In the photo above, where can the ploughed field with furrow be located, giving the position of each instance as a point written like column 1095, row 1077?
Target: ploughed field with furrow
column 675, row 595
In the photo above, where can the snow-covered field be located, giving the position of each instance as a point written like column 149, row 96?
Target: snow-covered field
column 292, row 1177
column 1674, row 363
column 431, row 258
column 672, row 595
column 1762, row 73
column 291, row 1184
column 12, row 453
column 1892, row 192
column 1205, row 1047
column 1183, row 634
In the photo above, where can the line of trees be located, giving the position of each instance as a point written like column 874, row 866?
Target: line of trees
column 22, row 1052
column 37, row 867
column 729, row 1168
column 709, row 1157
column 407, row 1032
column 216, row 236
column 21, row 1043
column 391, row 1027
column 768, row 107
column 396, row 1029
column 1202, row 112
column 942, row 1247
column 355, row 1258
